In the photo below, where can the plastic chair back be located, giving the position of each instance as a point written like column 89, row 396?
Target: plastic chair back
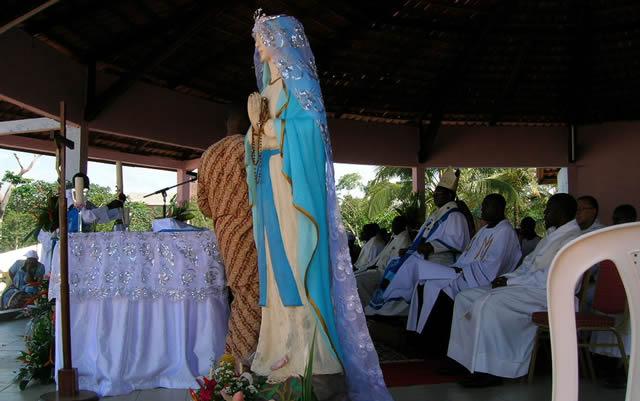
column 621, row 245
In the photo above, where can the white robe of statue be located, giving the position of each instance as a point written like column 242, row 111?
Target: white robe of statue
column 491, row 330
column 491, row 253
column 368, row 280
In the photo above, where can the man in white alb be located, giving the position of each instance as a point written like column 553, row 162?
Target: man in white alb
column 491, row 331
column 587, row 214
column 372, row 247
column 369, row 278
column 493, row 251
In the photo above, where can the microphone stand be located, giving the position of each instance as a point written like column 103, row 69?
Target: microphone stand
column 163, row 191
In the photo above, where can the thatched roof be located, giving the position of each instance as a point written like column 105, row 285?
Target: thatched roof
column 503, row 62
column 491, row 61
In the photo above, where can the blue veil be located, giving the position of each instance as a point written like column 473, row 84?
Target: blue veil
column 287, row 45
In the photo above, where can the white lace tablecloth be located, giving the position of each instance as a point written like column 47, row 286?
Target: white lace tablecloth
column 147, row 309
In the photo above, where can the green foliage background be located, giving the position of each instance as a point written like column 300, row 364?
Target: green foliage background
column 390, row 193
column 387, row 195
column 18, row 222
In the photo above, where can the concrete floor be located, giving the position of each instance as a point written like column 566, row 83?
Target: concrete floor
column 11, row 343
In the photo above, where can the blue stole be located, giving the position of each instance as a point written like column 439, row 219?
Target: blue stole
column 392, row 268
column 282, row 270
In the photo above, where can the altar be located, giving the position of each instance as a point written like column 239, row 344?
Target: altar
column 147, row 309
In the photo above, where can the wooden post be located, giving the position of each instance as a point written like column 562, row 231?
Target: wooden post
column 67, row 376
column 417, row 174
column 68, row 383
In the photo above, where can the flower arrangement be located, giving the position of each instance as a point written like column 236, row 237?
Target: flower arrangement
column 46, row 217
column 39, row 339
column 224, row 384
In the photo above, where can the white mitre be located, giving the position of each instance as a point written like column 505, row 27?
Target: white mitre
column 449, row 179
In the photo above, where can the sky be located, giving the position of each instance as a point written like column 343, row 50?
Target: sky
column 135, row 179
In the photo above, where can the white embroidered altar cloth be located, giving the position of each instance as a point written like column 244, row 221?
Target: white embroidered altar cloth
column 147, row 309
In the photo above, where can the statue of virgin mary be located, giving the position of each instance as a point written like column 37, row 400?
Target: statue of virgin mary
column 307, row 287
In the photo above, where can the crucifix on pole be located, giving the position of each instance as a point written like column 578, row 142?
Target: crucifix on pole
column 67, row 376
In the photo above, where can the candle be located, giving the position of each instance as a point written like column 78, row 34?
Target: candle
column 79, row 187
column 119, row 177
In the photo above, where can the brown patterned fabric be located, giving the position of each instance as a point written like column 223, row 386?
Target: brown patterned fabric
column 223, row 196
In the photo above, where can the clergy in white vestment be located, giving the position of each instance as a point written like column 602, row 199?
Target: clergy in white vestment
column 587, row 214
column 493, row 251
column 369, row 278
column 492, row 331
column 372, row 247
column 528, row 237
column 441, row 239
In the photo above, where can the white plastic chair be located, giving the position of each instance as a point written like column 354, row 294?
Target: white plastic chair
column 620, row 244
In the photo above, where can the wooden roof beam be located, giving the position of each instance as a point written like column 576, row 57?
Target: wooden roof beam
column 26, row 16
column 42, row 124
column 159, row 55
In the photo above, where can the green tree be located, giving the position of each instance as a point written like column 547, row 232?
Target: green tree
column 349, row 182
column 28, row 195
column 353, row 211
column 14, row 229
column 18, row 221
column 99, row 195
column 11, row 180
column 199, row 219
column 393, row 185
column 141, row 216
column 391, row 189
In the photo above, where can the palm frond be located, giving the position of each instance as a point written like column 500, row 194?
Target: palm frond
column 381, row 197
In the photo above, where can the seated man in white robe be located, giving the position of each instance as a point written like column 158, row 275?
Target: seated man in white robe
column 493, row 251
column 587, row 214
column 528, row 237
column 492, row 331
column 372, row 247
column 369, row 278
column 441, row 239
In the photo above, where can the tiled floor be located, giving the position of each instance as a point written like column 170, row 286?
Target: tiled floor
column 11, row 343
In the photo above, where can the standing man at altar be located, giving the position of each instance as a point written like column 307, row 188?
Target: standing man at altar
column 223, row 196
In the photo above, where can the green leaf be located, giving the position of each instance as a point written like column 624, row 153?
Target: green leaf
column 380, row 198
column 307, row 379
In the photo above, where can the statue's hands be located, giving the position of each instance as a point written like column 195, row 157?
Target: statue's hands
column 254, row 107
column 269, row 141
